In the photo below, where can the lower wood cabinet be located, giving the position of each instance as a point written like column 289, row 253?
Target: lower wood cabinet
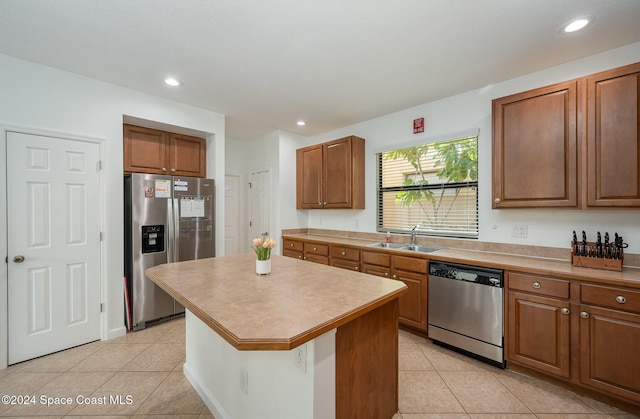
column 538, row 323
column 610, row 340
column 344, row 257
column 293, row 248
column 411, row 271
column 318, row 253
column 587, row 334
column 538, row 331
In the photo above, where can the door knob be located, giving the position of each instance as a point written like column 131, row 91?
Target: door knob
column 18, row 259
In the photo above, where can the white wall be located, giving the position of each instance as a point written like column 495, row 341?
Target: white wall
column 472, row 110
column 42, row 99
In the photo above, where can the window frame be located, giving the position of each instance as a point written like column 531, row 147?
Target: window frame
column 380, row 191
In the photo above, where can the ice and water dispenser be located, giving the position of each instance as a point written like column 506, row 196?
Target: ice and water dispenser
column 153, row 239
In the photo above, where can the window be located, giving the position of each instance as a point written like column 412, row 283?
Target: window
column 432, row 185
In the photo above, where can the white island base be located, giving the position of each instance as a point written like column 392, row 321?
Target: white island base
column 261, row 384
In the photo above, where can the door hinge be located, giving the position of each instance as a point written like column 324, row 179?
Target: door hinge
column 250, row 224
column 101, row 236
column 99, row 165
column 250, row 185
column 6, row 259
column 101, row 308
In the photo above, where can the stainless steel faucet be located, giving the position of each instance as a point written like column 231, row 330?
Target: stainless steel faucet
column 414, row 233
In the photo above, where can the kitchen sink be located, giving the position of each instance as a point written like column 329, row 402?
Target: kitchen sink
column 421, row 248
column 418, row 248
column 388, row 245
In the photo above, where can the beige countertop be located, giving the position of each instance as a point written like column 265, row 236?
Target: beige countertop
column 530, row 264
column 296, row 303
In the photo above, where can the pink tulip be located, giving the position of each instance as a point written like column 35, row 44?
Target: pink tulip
column 257, row 242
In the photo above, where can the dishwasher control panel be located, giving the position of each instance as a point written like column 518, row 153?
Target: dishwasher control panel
column 469, row 273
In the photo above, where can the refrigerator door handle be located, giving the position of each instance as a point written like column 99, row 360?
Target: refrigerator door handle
column 176, row 230
column 170, row 231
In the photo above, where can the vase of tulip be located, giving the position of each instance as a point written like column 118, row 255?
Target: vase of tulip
column 262, row 246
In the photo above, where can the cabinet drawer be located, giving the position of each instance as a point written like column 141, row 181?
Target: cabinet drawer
column 379, row 259
column 610, row 297
column 410, row 264
column 310, row 257
column 292, row 253
column 316, row 249
column 293, row 245
column 538, row 284
column 345, row 253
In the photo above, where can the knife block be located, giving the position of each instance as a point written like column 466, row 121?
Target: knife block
column 597, row 262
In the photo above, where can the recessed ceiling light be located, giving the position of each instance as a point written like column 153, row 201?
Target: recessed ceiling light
column 172, row 82
column 301, row 123
column 576, row 25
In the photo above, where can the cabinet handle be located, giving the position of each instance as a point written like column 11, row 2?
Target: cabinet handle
column 357, row 268
column 304, row 258
column 394, row 276
column 621, row 299
column 497, row 200
column 584, row 315
column 386, row 274
column 536, row 285
column 565, row 310
column 299, row 257
column 291, row 245
column 173, row 170
column 344, row 253
column 315, row 248
column 164, row 169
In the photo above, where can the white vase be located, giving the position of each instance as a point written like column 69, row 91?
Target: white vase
column 263, row 267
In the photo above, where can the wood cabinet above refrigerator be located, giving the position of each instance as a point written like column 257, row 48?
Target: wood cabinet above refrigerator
column 148, row 150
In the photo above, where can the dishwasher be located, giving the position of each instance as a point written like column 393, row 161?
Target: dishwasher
column 465, row 310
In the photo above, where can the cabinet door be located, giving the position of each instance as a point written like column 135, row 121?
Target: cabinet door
column 187, row 156
column 609, row 342
column 144, row 150
column 337, row 172
column 538, row 330
column 413, row 303
column 613, row 138
column 309, row 181
column 535, row 148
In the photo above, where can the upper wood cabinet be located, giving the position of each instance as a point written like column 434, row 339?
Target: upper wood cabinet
column 613, row 140
column 574, row 144
column 535, row 148
column 331, row 175
column 149, row 150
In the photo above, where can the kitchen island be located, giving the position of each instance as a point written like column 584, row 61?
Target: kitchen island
column 306, row 341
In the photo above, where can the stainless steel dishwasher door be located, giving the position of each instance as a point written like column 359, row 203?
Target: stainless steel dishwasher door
column 467, row 308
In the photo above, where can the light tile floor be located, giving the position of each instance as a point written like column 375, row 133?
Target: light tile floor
column 144, row 369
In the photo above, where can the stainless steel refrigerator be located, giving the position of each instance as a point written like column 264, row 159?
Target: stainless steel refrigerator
column 167, row 219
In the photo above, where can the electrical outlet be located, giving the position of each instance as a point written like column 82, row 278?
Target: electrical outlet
column 300, row 357
column 244, row 381
column 519, row 231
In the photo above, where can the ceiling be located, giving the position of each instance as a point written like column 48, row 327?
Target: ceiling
column 265, row 64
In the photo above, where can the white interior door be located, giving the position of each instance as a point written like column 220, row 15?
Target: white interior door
column 260, row 204
column 53, row 211
column 232, row 215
